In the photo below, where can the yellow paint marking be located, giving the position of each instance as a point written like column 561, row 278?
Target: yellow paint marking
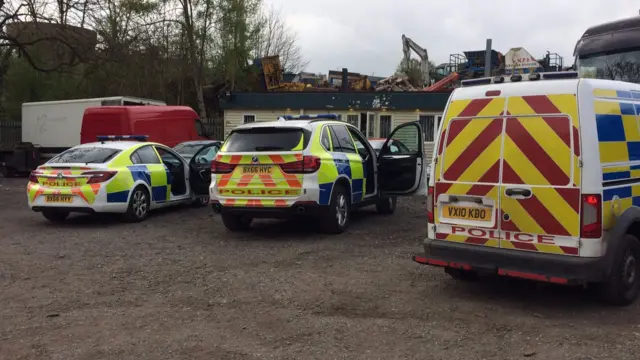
column 494, row 108
column 559, row 208
column 521, row 164
column 483, row 162
column 551, row 249
column 549, row 140
column 606, row 107
column 520, row 217
column 456, row 238
column 517, row 106
column 463, row 140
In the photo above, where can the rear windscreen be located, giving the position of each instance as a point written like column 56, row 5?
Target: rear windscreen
column 88, row 155
column 267, row 139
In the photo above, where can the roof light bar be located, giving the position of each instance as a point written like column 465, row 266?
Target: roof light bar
column 519, row 77
column 122, row 137
column 310, row 117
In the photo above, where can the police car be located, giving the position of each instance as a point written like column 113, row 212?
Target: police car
column 311, row 165
column 116, row 176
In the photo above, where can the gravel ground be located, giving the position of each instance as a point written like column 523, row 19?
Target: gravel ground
column 180, row 286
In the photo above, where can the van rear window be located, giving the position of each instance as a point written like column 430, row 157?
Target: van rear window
column 267, row 139
column 87, row 155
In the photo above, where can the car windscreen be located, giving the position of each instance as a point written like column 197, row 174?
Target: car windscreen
column 267, row 139
column 187, row 149
column 87, row 155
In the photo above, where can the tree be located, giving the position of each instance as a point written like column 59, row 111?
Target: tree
column 276, row 38
column 412, row 71
column 623, row 70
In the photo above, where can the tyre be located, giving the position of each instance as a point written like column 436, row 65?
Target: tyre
column 139, row 204
column 55, row 216
column 463, row 275
column 200, row 202
column 236, row 223
column 623, row 285
column 386, row 205
column 336, row 220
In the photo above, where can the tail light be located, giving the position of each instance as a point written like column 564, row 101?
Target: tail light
column 430, row 205
column 309, row 164
column 591, row 221
column 96, row 177
column 33, row 177
column 218, row 167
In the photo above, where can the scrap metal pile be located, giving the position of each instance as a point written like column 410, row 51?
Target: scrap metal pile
column 396, row 83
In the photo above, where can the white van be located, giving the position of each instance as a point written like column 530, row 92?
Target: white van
column 537, row 176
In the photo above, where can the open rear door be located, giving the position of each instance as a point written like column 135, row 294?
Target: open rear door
column 200, row 170
column 403, row 171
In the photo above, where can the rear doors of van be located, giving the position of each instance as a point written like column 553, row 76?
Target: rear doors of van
column 507, row 174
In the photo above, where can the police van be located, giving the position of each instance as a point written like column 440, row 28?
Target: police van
column 312, row 166
column 537, row 176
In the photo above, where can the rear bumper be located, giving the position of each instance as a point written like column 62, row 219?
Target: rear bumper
column 74, row 209
column 559, row 269
column 297, row 209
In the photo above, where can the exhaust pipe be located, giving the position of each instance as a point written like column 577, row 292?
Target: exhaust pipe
column 217, row 209
column 300, row 209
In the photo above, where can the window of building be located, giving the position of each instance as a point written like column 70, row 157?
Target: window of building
column 371, row 128
column 248, row 119
column 353, row 120
column 385, row 126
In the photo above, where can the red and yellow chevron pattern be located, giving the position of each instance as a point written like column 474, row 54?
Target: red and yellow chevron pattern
column 240, row 184
column 538, row 137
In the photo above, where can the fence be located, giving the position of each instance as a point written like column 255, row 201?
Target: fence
column 10, row 134
column 215, row 127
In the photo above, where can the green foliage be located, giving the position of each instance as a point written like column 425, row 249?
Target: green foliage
column 412, row 71
column 144, row 50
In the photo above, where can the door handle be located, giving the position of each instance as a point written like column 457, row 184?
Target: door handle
column 518, row 192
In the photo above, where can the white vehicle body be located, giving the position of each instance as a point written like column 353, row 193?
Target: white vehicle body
column 538, row 179
column 57, row 124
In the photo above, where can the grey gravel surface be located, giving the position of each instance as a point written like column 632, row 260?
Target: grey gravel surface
column 179, row 286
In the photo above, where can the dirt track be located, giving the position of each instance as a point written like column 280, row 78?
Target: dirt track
column 180, row 286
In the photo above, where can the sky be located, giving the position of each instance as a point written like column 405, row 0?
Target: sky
column 366, row 36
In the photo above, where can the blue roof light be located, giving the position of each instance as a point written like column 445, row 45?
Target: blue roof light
column 311, row 117
column 122, row 137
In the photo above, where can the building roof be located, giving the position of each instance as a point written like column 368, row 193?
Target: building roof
column 332, row 101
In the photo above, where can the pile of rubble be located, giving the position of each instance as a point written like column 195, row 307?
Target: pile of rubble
column 396, row 83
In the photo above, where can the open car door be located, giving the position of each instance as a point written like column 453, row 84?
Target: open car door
column 401, row 172
column 200, row 169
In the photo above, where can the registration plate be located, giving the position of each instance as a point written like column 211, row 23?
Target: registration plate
column 66, row 199
column 467, row 213
column 259, row 170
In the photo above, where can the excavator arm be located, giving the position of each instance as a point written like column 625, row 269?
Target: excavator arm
column 407, row 46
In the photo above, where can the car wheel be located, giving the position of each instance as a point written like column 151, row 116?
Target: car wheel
column 386, row 205
column 623, row 285
column 55, row 216
column 236, row 223
column 338, row 215
column 463, row 275
column 139, row 204
column 200, row 202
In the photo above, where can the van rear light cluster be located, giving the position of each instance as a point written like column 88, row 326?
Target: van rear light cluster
column 309, row 164
column 430, row 205
column 591, row 220
column 218, row 167
column 96, row 177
